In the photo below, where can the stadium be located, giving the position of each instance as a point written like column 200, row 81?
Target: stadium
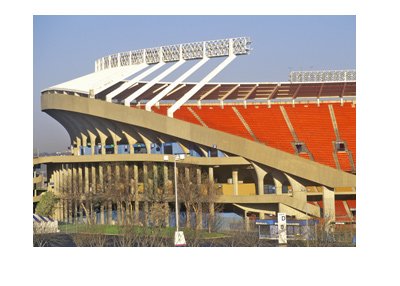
column 265, row 147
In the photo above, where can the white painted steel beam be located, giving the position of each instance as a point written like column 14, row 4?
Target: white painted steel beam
column 198, row 86
column 129, row 83
column 140, row 91
column 162, row 94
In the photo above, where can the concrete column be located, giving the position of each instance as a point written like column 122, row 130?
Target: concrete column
column 246, row 221
column 235, row 182
column 80, row 179
column 100, row 186
column 299, row 191
column 145, row 174
column 115, row 138
column 109, row 212
column 92, row 142
column 103, row 139
column 155, row 176
column 146, row 213
column 136, row 193
column 77, row 150
column 328, row 199
column 57, row 191
column 211, row 174
column 86, row 178
column 70, row 190
column 166, row 193
column 75, row 190
column 187, row 173
column 84, row 139
column 94, row 178
column 65, row 191
column 278, row 185
column 135, row 178
column 260, row 173
column 119, row 213
column 199, row 218
column 102, row 217
column 131, row 142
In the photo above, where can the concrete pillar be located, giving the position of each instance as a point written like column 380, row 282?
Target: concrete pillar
column 77, row 150
column 328, row 199
column 84, row 139
column 94, row 179
column 246, row 221
column 136, row 193
column 92, row 142
column 131, row 142
column 86, row 178
column 102, row 217
column 103, row 139
column 65, row 191
column 146, row 213
column 278, row 185
column 70, row 191
column 166, row 193
column 115, row 138
column 211, row 174
column 199, row 218
column 75, row 190
column 211, row 207
column 260, row 173
column 155, row 176
column 188, row 211
column 235, row 182
column 119, row 213
column 80, row 179
column 109, row 212
column 299, row 191
column 100, row 185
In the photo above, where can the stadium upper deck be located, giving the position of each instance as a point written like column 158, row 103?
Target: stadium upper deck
column 319, row 124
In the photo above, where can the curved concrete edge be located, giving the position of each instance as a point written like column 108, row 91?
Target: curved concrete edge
column 225, row 142
column 203, row 161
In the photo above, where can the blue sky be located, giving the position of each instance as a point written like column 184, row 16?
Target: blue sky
column 65, row 47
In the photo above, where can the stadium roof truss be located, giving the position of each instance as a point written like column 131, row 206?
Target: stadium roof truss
column 178, row 55
column 139, row 64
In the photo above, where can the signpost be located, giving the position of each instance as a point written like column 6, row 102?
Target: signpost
column 282, row 238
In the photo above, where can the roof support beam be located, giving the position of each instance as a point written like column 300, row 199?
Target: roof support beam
column 274, row 92
column 230, row 92
column 129, row 83
column 198, row 86
column 152, row 82
column 162, row 94
column 296, row 92
column 176, row 89
column 209, row 92
column 250, row 92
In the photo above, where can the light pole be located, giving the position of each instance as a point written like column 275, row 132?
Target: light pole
column 179, row 236
column 176, row 195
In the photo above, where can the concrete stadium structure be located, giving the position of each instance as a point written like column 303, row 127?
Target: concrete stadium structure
column 269, row 146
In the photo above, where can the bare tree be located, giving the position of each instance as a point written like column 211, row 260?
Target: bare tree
column 199, row 195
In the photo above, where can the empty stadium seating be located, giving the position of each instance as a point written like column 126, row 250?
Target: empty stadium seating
column 311, row 123
column 313, row 126
column 344, row 161
column 268, row 125
column 223, row 119
column 346, row 121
